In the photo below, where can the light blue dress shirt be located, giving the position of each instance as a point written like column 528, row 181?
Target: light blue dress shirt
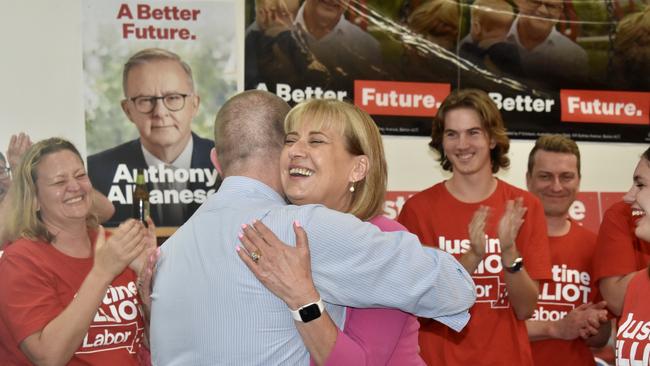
column 209, row 309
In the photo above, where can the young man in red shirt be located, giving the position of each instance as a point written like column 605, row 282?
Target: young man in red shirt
column 505, row 247
column 566, row 322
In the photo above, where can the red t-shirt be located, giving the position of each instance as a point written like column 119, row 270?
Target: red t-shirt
column 571, row 286
column 37, row 282
column 633, row 335
column 493, row 335
column 619, row 250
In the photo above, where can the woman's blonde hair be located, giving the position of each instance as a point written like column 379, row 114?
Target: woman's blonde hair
column 24, row 220
column 361, row 137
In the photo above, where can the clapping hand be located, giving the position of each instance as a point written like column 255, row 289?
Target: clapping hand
column 18, row 144
column 583, row 321
column 476, row 230
column 112, row 255
column 510, row 223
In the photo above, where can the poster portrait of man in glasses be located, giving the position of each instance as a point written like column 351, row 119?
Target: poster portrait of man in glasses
column 160, row 99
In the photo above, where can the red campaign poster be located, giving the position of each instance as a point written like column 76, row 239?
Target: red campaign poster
column 586, row 210
column 578, row 68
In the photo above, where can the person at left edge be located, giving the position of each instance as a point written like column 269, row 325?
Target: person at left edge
column 68, row 292
column 161, row 101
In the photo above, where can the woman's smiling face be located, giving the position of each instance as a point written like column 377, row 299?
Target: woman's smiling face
column 63, row 188
column 639, row 197
column 316, row 166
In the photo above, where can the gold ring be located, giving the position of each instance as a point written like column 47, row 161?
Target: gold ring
column 255, row 256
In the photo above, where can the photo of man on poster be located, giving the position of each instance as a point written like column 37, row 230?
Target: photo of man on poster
column 547, row 56
column 309, row 44
column 160, row 100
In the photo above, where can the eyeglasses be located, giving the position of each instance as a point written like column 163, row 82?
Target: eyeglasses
column 5, row 172
column 174, row 102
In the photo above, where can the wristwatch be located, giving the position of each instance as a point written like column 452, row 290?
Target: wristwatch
column 516, row 265
column 308, row 312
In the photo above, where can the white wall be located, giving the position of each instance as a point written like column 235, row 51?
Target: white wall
column 41, row 78
column 40, row 70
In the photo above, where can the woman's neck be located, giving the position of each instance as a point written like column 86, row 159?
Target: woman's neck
column 71, row 239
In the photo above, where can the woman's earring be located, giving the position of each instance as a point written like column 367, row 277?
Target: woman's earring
column 352, row 188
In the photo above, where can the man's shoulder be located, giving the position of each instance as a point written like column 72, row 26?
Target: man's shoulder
column 316, row 215
column 202, row 143
column 309, row 209
column 201, row 152
column 354, row 31
column 566, row 47
column 562, row 40
column 116, row 154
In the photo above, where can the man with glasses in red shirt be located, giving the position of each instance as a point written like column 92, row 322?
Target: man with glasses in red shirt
column 161, row 101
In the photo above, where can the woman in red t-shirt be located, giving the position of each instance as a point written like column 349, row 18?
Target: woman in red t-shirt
column 66, row 294
column 633, row 335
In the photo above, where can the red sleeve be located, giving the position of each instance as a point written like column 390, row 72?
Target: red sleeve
column 29, row 300
column 532, row 241
column 410, row 219
column 615, row 246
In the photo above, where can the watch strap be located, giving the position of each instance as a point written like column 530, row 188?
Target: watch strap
column 515, row 266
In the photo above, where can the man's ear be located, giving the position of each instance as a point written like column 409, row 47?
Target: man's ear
column 528, row 178
column 360, row 169
column 475, row 29
column 125, row 108
column 215, row 161
column 196, row 102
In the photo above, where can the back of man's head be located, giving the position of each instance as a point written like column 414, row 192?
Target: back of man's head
column 249, row 131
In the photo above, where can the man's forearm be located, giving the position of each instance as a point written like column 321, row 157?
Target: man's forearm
column 538, row 329
column 522, row 293
column 357, row 265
